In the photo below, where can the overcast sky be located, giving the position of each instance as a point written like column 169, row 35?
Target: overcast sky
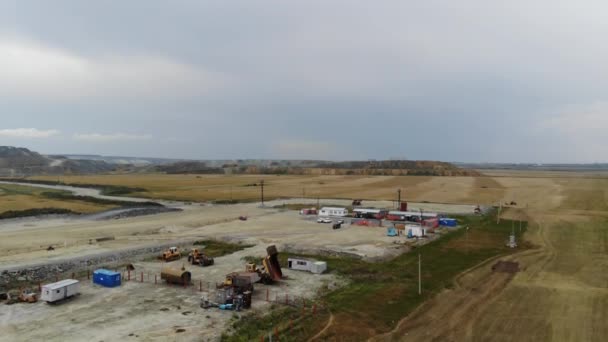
column 467, row 80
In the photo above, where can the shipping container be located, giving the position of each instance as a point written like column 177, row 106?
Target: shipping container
column 55, row 292
column 448, row 222
column 106, row 278
column 318, row 267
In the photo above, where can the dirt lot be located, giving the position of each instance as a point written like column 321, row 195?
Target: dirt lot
column 148, row 312
column 559, row 294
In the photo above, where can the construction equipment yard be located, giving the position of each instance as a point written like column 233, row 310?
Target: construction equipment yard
column 556, row 291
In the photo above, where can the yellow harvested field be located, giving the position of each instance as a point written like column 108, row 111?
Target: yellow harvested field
column 480, row 190
column 15, row 197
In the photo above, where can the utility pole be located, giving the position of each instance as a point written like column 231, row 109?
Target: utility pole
column 520, row 226
column 398, row 199
column 499, row 210
column 262, row 184
column 419, row 274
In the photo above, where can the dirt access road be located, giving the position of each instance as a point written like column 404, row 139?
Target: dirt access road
column 560, row 295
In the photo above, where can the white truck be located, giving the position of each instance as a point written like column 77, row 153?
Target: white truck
column 55, row 292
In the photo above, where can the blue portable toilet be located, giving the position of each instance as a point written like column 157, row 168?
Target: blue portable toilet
column 391, row 231
column 106, row 278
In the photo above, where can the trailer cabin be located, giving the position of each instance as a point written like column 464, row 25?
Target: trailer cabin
column 332, row 211
column 55, row 292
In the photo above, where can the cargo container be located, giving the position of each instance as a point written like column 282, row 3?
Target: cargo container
column 448, row 222
column 370, row 213
column 106, row 278
column 55, row 292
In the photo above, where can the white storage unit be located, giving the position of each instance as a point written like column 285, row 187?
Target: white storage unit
column 415, row 230
column 318, row 267
column 60, row 290
column 332, row 211
column 299, row 264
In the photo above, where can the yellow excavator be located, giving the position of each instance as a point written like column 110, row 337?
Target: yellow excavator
column 197, row 258
column 170, row 254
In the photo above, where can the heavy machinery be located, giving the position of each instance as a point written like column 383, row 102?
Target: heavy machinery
column 197, row 258
column 23, row 296
column 228, row 299
column 170, row 254
column 270, row 270
column 263, row 276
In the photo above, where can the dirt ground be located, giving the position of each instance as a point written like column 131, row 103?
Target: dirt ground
column 147, row 312
column 561, row 292
column 24, row 241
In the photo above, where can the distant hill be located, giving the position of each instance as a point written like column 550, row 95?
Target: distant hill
column 19, row 161
column 300, row 167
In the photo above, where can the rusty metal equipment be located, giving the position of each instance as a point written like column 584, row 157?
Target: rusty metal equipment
column 178, row 276
column 28, row 296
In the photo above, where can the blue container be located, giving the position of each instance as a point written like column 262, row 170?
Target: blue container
column 448, row 222
column 391, row 231
column 106, row 278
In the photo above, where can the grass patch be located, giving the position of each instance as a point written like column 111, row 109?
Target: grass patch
column 23, row 201
column 214, row 248
column 380, row 294
column 105, row 189
column 61, row 195
column 10, row 214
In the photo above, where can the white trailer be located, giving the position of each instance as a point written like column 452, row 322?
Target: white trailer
column 299, row 264
column 415, row 231
column 332, row 211
column 52, row 293
column 316, row 267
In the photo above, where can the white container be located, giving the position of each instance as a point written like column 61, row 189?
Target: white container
column 61, row 290
column 318, row 267
column 299, row 264
column 416, row 230
column 331, row 211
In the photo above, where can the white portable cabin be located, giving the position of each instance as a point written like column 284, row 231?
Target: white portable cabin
column 316, row 267
column 415, row 230
column 60, row 290
column 298, row 264
column 332, row 211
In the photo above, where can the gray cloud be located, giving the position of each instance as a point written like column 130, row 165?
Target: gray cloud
column 471, row 80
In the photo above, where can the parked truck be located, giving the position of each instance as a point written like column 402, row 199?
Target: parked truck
column 59, row 291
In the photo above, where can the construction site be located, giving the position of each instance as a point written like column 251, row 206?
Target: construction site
column 164, row 282
column 287, row 269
